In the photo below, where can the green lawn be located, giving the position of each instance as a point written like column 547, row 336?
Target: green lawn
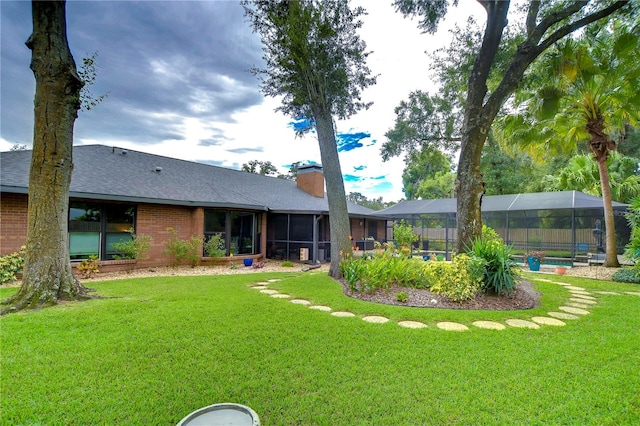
column 155, row 349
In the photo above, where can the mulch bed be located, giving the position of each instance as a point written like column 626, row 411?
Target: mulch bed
column 524, row 297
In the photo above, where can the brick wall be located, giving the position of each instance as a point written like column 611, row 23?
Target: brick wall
column 154, row 219
column 13, row 222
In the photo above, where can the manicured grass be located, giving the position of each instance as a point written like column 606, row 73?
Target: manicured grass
column 159, row 348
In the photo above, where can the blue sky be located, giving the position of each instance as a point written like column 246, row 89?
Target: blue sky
column 176, row 74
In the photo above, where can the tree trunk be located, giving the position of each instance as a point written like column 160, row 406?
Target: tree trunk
column 600, row 145
column 469, row 185
column 47, row 275
column 338, row 212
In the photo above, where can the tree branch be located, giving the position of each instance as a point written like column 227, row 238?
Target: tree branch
column 528, row 51
column 553, row 19
column 568, row 29
column 532, row 15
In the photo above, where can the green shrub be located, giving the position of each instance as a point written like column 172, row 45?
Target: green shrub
column 404, row 236
column 627, row 275
column 632, row 250
column 287, row 264
column 500, row 272
column 215, row 247
column 402, row 297
column 88, row 267
column 351, row 270
column 135, row 248
column 490, row 234
column 183, row 250
column 10, row 265
column 459, row 281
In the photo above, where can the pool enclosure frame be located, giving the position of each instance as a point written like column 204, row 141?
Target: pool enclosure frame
column 564, row 224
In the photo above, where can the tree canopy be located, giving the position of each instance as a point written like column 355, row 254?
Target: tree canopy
column 585, row 92
column 499, row 60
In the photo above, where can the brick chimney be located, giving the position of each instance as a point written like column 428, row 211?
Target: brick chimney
column 311, row 179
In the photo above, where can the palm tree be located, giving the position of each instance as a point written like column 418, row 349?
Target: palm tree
column 583, row 92
column 581, row 173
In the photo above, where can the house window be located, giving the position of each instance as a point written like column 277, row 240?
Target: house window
column 237, row 228
column 94, row 228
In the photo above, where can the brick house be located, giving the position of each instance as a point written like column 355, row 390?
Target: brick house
column 116, row 190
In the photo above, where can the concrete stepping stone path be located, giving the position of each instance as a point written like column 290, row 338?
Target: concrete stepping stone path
column 583, row 296
column 343, row 314
column 300, row 301
column 580, row 293
column 573, row 310
column 411, row 324
column 320, row 308
column 280, row 296
column 520, row 323
column 548, row 321
column 562, row 315
column 375, row 319
column 579, row 303
column 451, row 326
column 489, row 325
column 583, row 301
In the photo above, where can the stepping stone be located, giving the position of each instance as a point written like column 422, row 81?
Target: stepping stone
column 300, row 301
column 269, row 291
column 633, row 293
column 578, row 305
column 259, row 287
column 548, row 321
column 451, row 326
column 411, row 324
column 320, row 308
column 573, row 310
column 262, row 283
column 583, row 301
column 583, row 296
column 280, row 296
column 343, row 314
column 559, row 283
column 375, row 319
column 274, row 280
column 611, row 293
column 579, row 292
column 519, row 323
column 489, row 325
column 575, row 288
column 562, row 315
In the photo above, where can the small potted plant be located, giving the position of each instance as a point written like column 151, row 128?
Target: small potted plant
column 533, row 259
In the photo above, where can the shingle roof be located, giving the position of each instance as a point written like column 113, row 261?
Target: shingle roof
column 108, row 173
column 498, row 203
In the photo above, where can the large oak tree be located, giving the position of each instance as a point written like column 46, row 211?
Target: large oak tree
column 47, row 276
column 543, row 24
column 316, row 62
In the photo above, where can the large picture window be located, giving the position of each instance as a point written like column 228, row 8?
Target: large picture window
column 94, row 228
column 238, row 229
